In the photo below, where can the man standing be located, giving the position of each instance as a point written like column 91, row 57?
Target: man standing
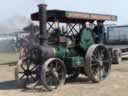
column 99, row 31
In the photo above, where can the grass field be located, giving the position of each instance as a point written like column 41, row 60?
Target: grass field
column 7, row 58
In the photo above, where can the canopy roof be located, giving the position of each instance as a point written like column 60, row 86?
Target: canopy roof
column 70, row 16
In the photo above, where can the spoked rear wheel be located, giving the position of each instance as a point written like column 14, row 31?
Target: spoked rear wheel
column 25, row 74
column 98, row 63
column 53, row 74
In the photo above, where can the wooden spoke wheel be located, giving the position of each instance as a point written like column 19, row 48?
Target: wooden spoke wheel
column 26, row 74
column 97, row 63
column 53, row 74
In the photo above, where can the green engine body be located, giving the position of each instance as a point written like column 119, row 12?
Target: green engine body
column 86, row 39
column 74, row 55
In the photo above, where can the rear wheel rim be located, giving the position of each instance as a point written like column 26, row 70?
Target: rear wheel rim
column 98, row 62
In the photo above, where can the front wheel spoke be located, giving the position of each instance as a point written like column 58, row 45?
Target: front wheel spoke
column 94, row 65
column 33, row 68
column 51, row 66
column 34, row 72
column 28, row 66
column 33, row 78
column 95, row 55
column 58, row 68
column 22, row 77
column 100, row 54
column 95, row 59
column 49, row 81
column 21, row 72
column 101, row 51
column 56, row 80
column 52, row 81
column 50, row 70
column 22, row 67
column 94, row 69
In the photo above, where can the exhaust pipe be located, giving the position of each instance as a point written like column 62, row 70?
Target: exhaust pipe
column 43, row 26
column 47, row 51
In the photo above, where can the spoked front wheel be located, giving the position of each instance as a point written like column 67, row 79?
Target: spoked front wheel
column 98, row 63
column 53, row 74
column 25, row 74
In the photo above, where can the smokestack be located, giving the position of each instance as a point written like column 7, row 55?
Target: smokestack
column 43, row 21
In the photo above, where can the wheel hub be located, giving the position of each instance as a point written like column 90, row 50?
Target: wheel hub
column 101, row 63
column 55, row 73
column 27, row 72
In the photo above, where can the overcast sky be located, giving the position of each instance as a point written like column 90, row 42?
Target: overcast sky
column 10, row 8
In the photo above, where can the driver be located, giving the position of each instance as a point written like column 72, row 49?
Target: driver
column 99, row 31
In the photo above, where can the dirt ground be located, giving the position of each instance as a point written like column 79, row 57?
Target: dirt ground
column 115, row 85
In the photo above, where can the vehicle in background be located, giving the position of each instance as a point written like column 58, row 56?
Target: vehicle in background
column 116, row 39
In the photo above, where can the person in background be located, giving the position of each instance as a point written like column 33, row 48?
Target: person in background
column 99, row 31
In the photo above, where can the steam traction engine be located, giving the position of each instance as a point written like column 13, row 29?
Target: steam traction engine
column 63, row 52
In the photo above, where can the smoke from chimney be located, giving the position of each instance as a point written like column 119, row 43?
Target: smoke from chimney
column 14, row 24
